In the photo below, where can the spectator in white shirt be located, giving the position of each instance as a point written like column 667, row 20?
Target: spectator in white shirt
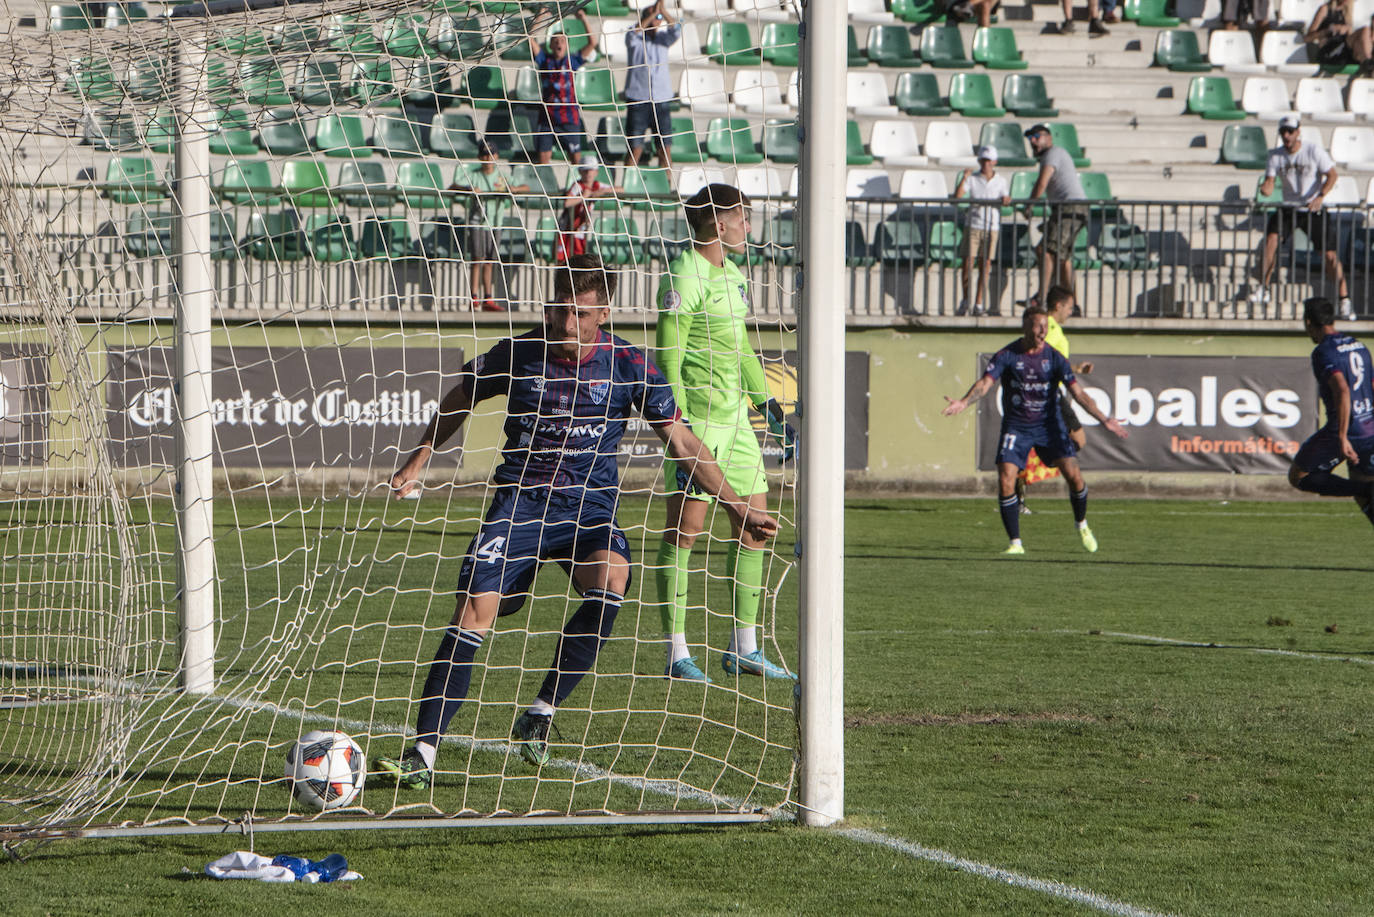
column 988, row 193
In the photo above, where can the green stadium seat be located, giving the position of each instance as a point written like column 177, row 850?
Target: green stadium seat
column 513, row 242
column 1098, row 187
column 1178, row 49
column 276, row 236
column 781, row 142
column 1125, row 247
column 385, row 238
column 219, row 81
column 246, row 181
column 306, row 183
column 351, row 35
column 426, row 83
column 454, row 135
column 64, row 18
column 1065, row 135
column 857, row 58
column 899, row 242
column 405, row 36
column 1014, row 249
column 231, row 134
column 341, row 135
column 857, row 252
column 148, row 79
column 484, row 87
column 1006, row 138
column 605, row 8
column 132, row 180
column 919, row 12
column 149, row 234
column 1150, row 13
column 1245, row 146
column 943, row 243
column 93, row 78
column 119, row 15
column 510, row 134
column 781, row 45
column 890, row 46
column 1022, row 184
column 919, row 94
column 363, row 184
column 292, row 37
column 782, row 239
column 282, row 134
column 686, row 146
column 731, row 140
column 527, row 90
column 731, row 44
column 261, row 82
column 160, row 132
column 421, row 184
column 317, row 82
column 667, row 237
column 971, row 95
column 545, row 239
column 595, row 88
column 331, row 238
column 441, row 238
column 512, row 38
column 111, row 131
column 648, row 189
column 615, row 239
column 460, row 38
column 546, row 191
column 995, row 48
column 855, row 153
column 611, row 142
column 397, row 136
column 942, row 46
column 1083, row 258
column 1024, row 95
column 374, row 84
column 242, row 43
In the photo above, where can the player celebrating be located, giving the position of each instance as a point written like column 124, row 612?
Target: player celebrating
column 1031, row 372
column 569, row 389
column 1342, row 367
column 703, row 349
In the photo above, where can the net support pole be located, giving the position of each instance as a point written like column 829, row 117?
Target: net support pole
column 195, row 429
column 821, row 328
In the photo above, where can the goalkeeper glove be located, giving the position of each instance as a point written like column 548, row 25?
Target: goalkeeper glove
column 778, row 426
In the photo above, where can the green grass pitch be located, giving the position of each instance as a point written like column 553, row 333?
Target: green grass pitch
column 1178, row 724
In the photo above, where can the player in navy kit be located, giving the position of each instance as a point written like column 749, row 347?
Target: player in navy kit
column 570, row 388
column 1343, row 369
column 1030, row 371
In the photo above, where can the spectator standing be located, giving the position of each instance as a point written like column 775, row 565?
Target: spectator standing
column 1337, row 39
column 576, row 217
column 1308, row 174
column 1095, row 27
column 647, row 85
column 490, row 191
column 988, row 192
column 1235, row 13
column 560, row 117
column 1058, row 183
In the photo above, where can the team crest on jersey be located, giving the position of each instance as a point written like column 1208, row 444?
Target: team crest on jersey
column 537, row 384
column 599, row 390
column 743, row 294
column 671, row 300
column 1044, row 366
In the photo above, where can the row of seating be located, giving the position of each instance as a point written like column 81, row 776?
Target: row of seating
column 1267, row 98
column 1246, row 147
column 1281, row 51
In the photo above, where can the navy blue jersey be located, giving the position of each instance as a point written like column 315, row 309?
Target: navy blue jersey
column 1341, row 353
column 564, row 419
column 1030, row 382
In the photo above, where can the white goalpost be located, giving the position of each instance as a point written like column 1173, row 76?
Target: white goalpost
column 244, row 264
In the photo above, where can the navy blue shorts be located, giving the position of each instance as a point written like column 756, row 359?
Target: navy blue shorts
column 1322, row 452
column 522, row 529
column 1050, row 442
column 648, row 118
column 569, row 137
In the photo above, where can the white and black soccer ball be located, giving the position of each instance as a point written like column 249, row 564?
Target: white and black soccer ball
column 326, row 769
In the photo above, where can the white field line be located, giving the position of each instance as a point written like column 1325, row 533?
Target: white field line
column 1259, row 650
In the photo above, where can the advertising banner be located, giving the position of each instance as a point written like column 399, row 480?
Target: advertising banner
column 23, row 406
column 1246, row 415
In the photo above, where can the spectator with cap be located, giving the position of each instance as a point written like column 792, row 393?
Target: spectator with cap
column 648, row 88
column 1058, row 183
column 576, row 217
column 1308, row 173
column 560, row 117
column 988, row 192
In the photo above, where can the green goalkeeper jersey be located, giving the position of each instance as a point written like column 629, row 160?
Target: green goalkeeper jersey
column 703, row 344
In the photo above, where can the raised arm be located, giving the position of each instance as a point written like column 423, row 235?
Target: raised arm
column 1091, row 407
column 693, row 457
column 452, row 414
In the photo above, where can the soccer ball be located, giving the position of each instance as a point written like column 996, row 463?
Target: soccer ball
column 326, row 769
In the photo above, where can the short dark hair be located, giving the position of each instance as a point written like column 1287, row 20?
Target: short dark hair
column 1056, row 295
column 580, row 274
column 709, row 203
column 485, row 149
column 1032, row 311
column 1319, row 312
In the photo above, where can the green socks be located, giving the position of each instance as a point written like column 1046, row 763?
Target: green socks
column 671, row 577
column 744, row 567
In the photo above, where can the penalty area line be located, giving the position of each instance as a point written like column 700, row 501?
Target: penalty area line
column 1258, row 650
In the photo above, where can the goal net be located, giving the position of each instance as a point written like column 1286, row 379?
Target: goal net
column 347, row 275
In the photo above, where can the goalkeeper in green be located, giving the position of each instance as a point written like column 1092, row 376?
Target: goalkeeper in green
column 703, row 349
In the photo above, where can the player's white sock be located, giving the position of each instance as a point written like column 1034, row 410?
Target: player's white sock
column 541, row 708
column 1015, row 542
column 677, row 648
column 427, row 753
column 744, row 641
column 1082, row 525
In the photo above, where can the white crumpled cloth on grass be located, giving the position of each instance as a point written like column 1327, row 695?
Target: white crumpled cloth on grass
column 244, row 865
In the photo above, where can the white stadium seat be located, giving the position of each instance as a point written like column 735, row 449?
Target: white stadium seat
column 1286, row 52
column 767, row 10
column 1199, row 13
column 867, row 183
column 695, row 178
column 867, row 95
column 1360, row 98
column 612, row 42
column 923, row 185
column 760, row 181
column 686, row 51
column 896, row 143
column 703, row 90
column 794, row 89
column 1353, row 147
column 758, row 92
column 950, row 144
column 1319, row 98
column 1364, row 11
column 1234, row 52
column 1296, row 13
column 1346, row 191
column 870, row 11
column 1265, row 97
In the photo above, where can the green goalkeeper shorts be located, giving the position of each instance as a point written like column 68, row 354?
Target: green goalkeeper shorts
column 736, row 449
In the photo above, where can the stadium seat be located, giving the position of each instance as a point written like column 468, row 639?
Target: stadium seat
column 111, row 131
column 241, row 43
column 1124, row 247
column 148, row 234
column 1178, row 50
column 1014, row 249
column 63, row 18
column 615, row 239
column 230, row 134
column 441, row 238
column 648, row 189
column 159, row 132
column 1083, row 257
column 1098, row 187
column 855, row 153
column 869, row 12
column 461, row 38
column 612, row 42
column 896, row 143
column 547, row 187
column 317, row 82
column 1210, row 97
column 605, row 8
column 780, row 140
column 363, row 184
column 261, row 82
column 421, row 184
column 483, row 87
column 1297, row 14
column 350, row 35
column 595, row 88
column 731, row 140
column 668, row 237
column 761, row 182
column 330, row 238
column 148, row 79
column 1244, row 146
column 866, row 95
column 995, row 48
column 919, row 94
column 971, row 95
column 780, row 44
column 385, row 238
column 1234, row 52
column 1319, row 98
column 1022, row 184
column 281, row 133
column 1353, row 147
column 132, row 180
column 510, row 134
column 1007, row 139
column 512, row 40
column 899, row 242
column 527, row 90
column 942, row 46
column 93, row 79
column 758, row 92
column 703, row 90
column 397, row 136
column 246, row 181
column 341, row 135
column 696, row 178
column 923, row 185
column 292, row 37
column 1345, row 192
column 857, row 251
column 856, row 56
column 425, row 83
column 306, row 183
column 1265, row 97
column 1273, row 197
column 1360, row 98
column 404, row 36
column 119, row 15
column 731, row 44
column 1150, row 13
column 890, row 46
column 950, row 144
column 782, row 239
column 686, row 146
column 764, row 10
column 275, row 236
column 1065, row 135
column 1286, row 52
column 867, row 184
column 513, row 243
column 611, row 141
column 1024, row 95
column 374, row 84
column 919, row 12
column 943, row 243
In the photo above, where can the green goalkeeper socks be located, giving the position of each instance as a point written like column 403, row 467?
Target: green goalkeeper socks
column 671, row 578
column 744, row 567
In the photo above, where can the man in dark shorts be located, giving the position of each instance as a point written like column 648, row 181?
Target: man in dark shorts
column 1059, row 184
column 648, row 88
column 1061, row 304
column 1031, row 372
column 560, row 117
